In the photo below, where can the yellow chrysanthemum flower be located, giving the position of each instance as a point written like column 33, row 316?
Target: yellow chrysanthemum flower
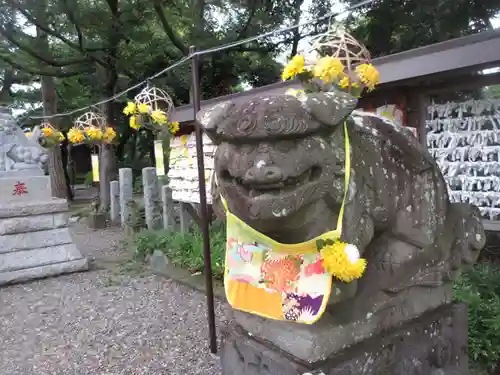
column 368, row 75
column 295, row 66
column 47, row 131
column 130, row 109
column 94, row 134
column 328, row 69
column 133, row 123
column 159, row 117
column 344, row 82
column 143, row 108
column 342, row 261
column 109, row 134
column 174, row 127
column 75, row 135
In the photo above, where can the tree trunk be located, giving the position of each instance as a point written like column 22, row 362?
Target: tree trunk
column 65, row 147
column 107, row 153
column 296, row 32
column 56, row 168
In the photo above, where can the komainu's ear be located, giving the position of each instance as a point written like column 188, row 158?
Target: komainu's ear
column 211, row 119
column 329, row 108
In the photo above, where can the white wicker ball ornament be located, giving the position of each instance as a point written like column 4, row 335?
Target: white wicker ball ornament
column 156, row 98
column 90, row 119
column 336, row 42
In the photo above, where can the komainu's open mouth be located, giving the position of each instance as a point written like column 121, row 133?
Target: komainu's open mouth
column 255, row 189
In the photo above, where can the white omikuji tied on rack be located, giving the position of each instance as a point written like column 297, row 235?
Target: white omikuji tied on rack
column 475, row 107
column 477, row 138
column 464, row 138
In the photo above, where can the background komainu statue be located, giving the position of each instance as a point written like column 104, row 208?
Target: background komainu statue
column 17, row 152
column 280, row 166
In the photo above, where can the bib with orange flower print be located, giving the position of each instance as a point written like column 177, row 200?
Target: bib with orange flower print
column 289, row 282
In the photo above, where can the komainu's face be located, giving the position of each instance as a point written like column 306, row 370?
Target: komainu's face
column 277, row 156
column 270, row 180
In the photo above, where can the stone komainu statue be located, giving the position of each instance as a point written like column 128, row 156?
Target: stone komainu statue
column 280, row 166
column 17, row 152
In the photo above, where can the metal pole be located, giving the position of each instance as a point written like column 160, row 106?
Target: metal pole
column 422, row 103
column 203, row 203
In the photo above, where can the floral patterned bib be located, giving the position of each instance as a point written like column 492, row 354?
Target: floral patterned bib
column 287, row 282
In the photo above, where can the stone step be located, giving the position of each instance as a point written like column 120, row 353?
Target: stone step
column 33, row 240
column 44, row 256
column 49, row 270
column 47, row 206
column 26, row 224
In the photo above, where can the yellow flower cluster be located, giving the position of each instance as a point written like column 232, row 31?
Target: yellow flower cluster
column 75, row 135
column 343, row 261
column 91, row 134
column 331, row 70
column 294, row 67
column 368, row 75
column 50, row 137
column 108, row 134
column 136, row 111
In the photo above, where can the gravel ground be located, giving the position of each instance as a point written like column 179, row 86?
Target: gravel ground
column 112, row 320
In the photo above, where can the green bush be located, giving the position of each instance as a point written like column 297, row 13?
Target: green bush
column 185, row 249
column 479, row 287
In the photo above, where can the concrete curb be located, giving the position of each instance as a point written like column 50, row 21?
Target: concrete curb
column 195, row 281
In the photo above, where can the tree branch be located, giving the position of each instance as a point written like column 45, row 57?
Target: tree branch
column 172, row 35
column 31, row 51
column 243, row 31
column 72, row 19
column 55, row 34
column 7, row 82
column 41, row 72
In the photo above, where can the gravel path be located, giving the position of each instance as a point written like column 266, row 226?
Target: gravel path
column 113, row 320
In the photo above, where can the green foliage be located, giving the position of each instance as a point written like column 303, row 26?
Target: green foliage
column 479, row 287
column 391, row 26
column 89, row 179
column 185, row 249
column 492, row 92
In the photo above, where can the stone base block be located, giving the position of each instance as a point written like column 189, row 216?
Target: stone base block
column 96, row 221
column 22, row 173
column 40, row 262
column 38, row 257
column 35, row 241
column 48, row 206
column 24, row 189
column 432, row 344
column 49, row 270
column 28, row 224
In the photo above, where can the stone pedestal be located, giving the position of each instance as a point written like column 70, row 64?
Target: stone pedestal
column 114, row 211
column 97, row 220
column 34, row 237
column 435, row 343
column 126, row 184
column 167, row 208
column 152, row 199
